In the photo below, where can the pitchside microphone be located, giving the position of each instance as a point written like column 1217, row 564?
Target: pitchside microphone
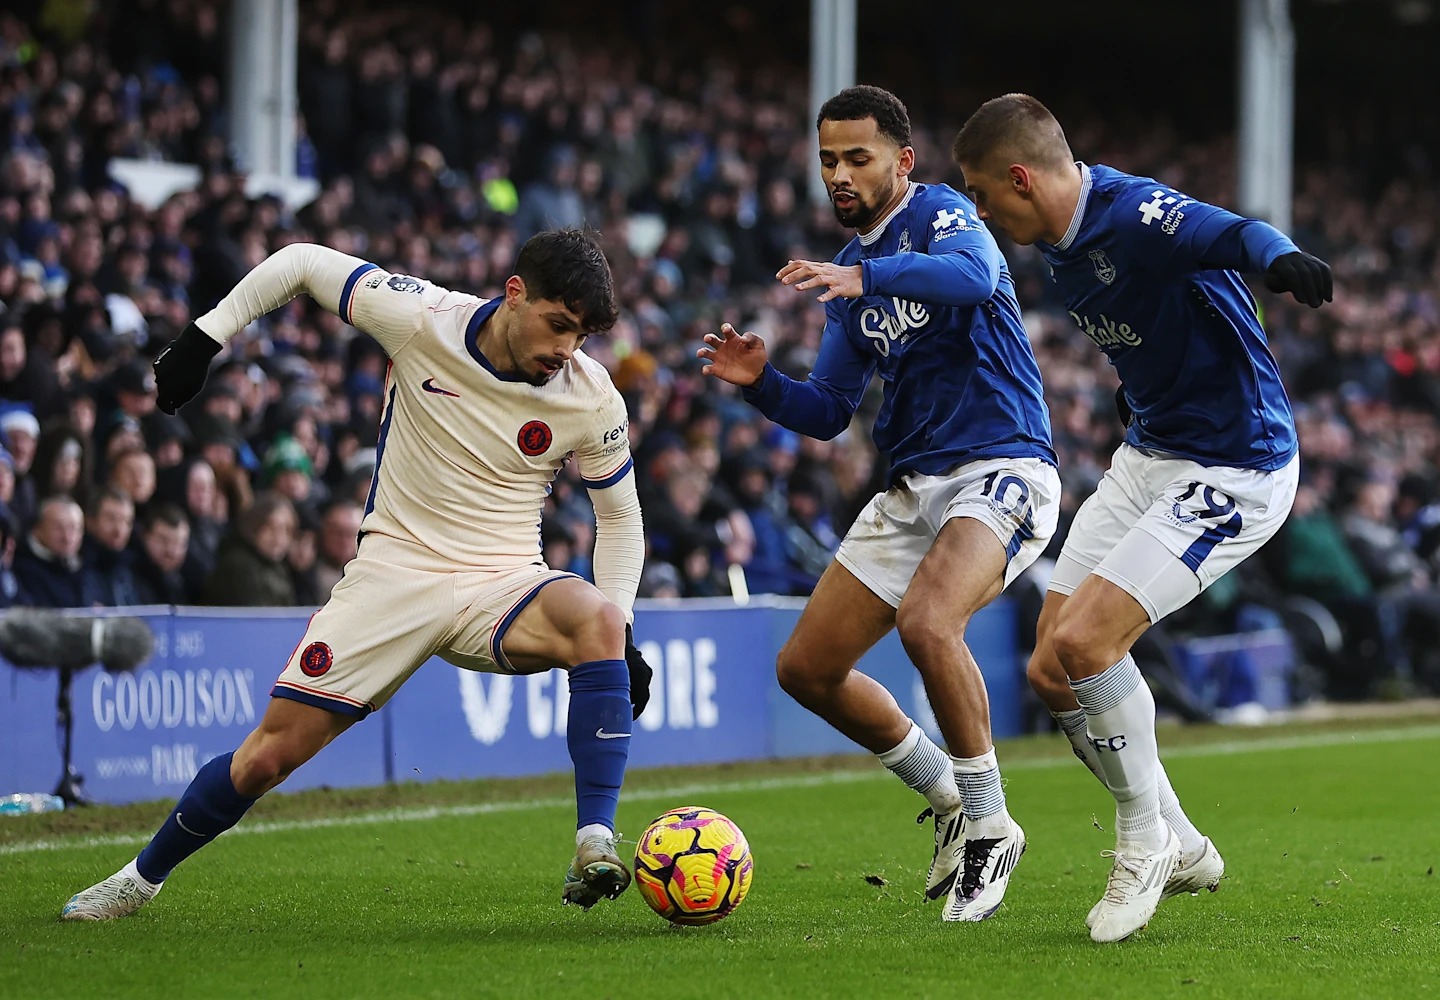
column 35, row 637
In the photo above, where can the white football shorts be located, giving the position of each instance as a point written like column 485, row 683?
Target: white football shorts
column 1017, row 498
column 397, row 606
column 1163, row 528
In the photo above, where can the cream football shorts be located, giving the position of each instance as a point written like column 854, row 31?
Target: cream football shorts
column 1017, row 498
column 1163, row 528
column 397, row 606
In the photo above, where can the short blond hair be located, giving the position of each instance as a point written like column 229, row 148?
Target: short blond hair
column 1015, row 128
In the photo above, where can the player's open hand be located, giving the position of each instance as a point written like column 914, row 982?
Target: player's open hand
column 1303, row 275
column 737, row 358
column 839, row 282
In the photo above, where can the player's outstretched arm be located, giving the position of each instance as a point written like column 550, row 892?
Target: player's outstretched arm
column 737, row 358
column 1181, row 234
column 819, row 407
column 840, row 281
column 960, row 265
column 328, row 276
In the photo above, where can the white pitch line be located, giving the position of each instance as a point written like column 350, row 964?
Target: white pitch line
column 415, row 814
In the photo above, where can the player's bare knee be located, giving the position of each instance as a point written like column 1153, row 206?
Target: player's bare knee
column 929, row 639
column 800, row 675
column 601, row 636
column 1081, row 648
column 1048, row 680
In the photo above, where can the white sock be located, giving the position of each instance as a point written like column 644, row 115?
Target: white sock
column 923, row 766
column 1192, row 841
column 132, row 872
column 980, row 788
column 1072, row 724
column 593, row 831
column 1120, row 719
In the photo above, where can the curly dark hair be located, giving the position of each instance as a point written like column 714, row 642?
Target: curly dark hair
column 567, row 265
column 865, row 101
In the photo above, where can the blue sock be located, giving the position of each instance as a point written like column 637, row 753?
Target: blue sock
column 209, row 807
column 599, row 738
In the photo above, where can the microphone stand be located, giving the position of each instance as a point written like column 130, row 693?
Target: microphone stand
column 71, row 780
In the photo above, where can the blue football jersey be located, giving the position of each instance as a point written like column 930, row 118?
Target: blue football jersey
column 1152, row 277
column 939, row 321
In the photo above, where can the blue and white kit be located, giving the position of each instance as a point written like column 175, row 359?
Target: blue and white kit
column 1209, row 467
column 963, row 421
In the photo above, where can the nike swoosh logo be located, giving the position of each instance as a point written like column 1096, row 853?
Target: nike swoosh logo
column 603, row 735
column 181, row 824
column 429, row 386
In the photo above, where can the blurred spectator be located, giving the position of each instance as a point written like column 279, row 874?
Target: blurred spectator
column 25, row 377
column 552, row 202
column 132, row 473
column 660, row 579
column 191, row 487
column 1409, row 602
column 339, row 540
column 251, row 569
column 133, row 386
column 21, row 432
column 106, row 550
column 289, row 471
column 164, row 544
column 1387, row 561
column 768, row 570
column 62, row 462
column 166, row 437
column 9, row 586
column 7, row 485
column 1417, row 513
column 302, row 557
column 48, row 567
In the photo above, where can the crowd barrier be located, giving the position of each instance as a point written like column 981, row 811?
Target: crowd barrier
column 142, row 735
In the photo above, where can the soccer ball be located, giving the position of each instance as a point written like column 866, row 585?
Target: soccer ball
column 693, row 866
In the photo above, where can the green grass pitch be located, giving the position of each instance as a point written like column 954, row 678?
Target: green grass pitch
column 1330, row 834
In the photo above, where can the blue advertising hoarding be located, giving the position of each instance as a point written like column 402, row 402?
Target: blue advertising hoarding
column 712, row 669
column 991, row 638
column 141, row 735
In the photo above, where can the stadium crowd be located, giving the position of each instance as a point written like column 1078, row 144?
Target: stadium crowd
column 440, row 148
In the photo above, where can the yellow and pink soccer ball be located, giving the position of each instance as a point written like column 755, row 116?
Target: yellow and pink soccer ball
column 693, row 866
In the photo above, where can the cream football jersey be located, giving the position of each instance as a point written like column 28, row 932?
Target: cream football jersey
column 466, row 455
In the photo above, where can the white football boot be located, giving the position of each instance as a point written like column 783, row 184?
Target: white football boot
column 596, row 873
column 946, row 862
column 1203, row 873
column 1133, row 890
column 117, row 896
column 986, row 865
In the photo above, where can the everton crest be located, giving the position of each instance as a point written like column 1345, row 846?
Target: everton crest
column 1104, row 270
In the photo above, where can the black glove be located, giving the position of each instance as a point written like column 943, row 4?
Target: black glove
column 181, row 368
column 640, row 674
column 1122, row 406
column 1304, row 276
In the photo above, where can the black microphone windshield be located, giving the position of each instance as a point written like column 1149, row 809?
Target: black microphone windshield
column 37, row 637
